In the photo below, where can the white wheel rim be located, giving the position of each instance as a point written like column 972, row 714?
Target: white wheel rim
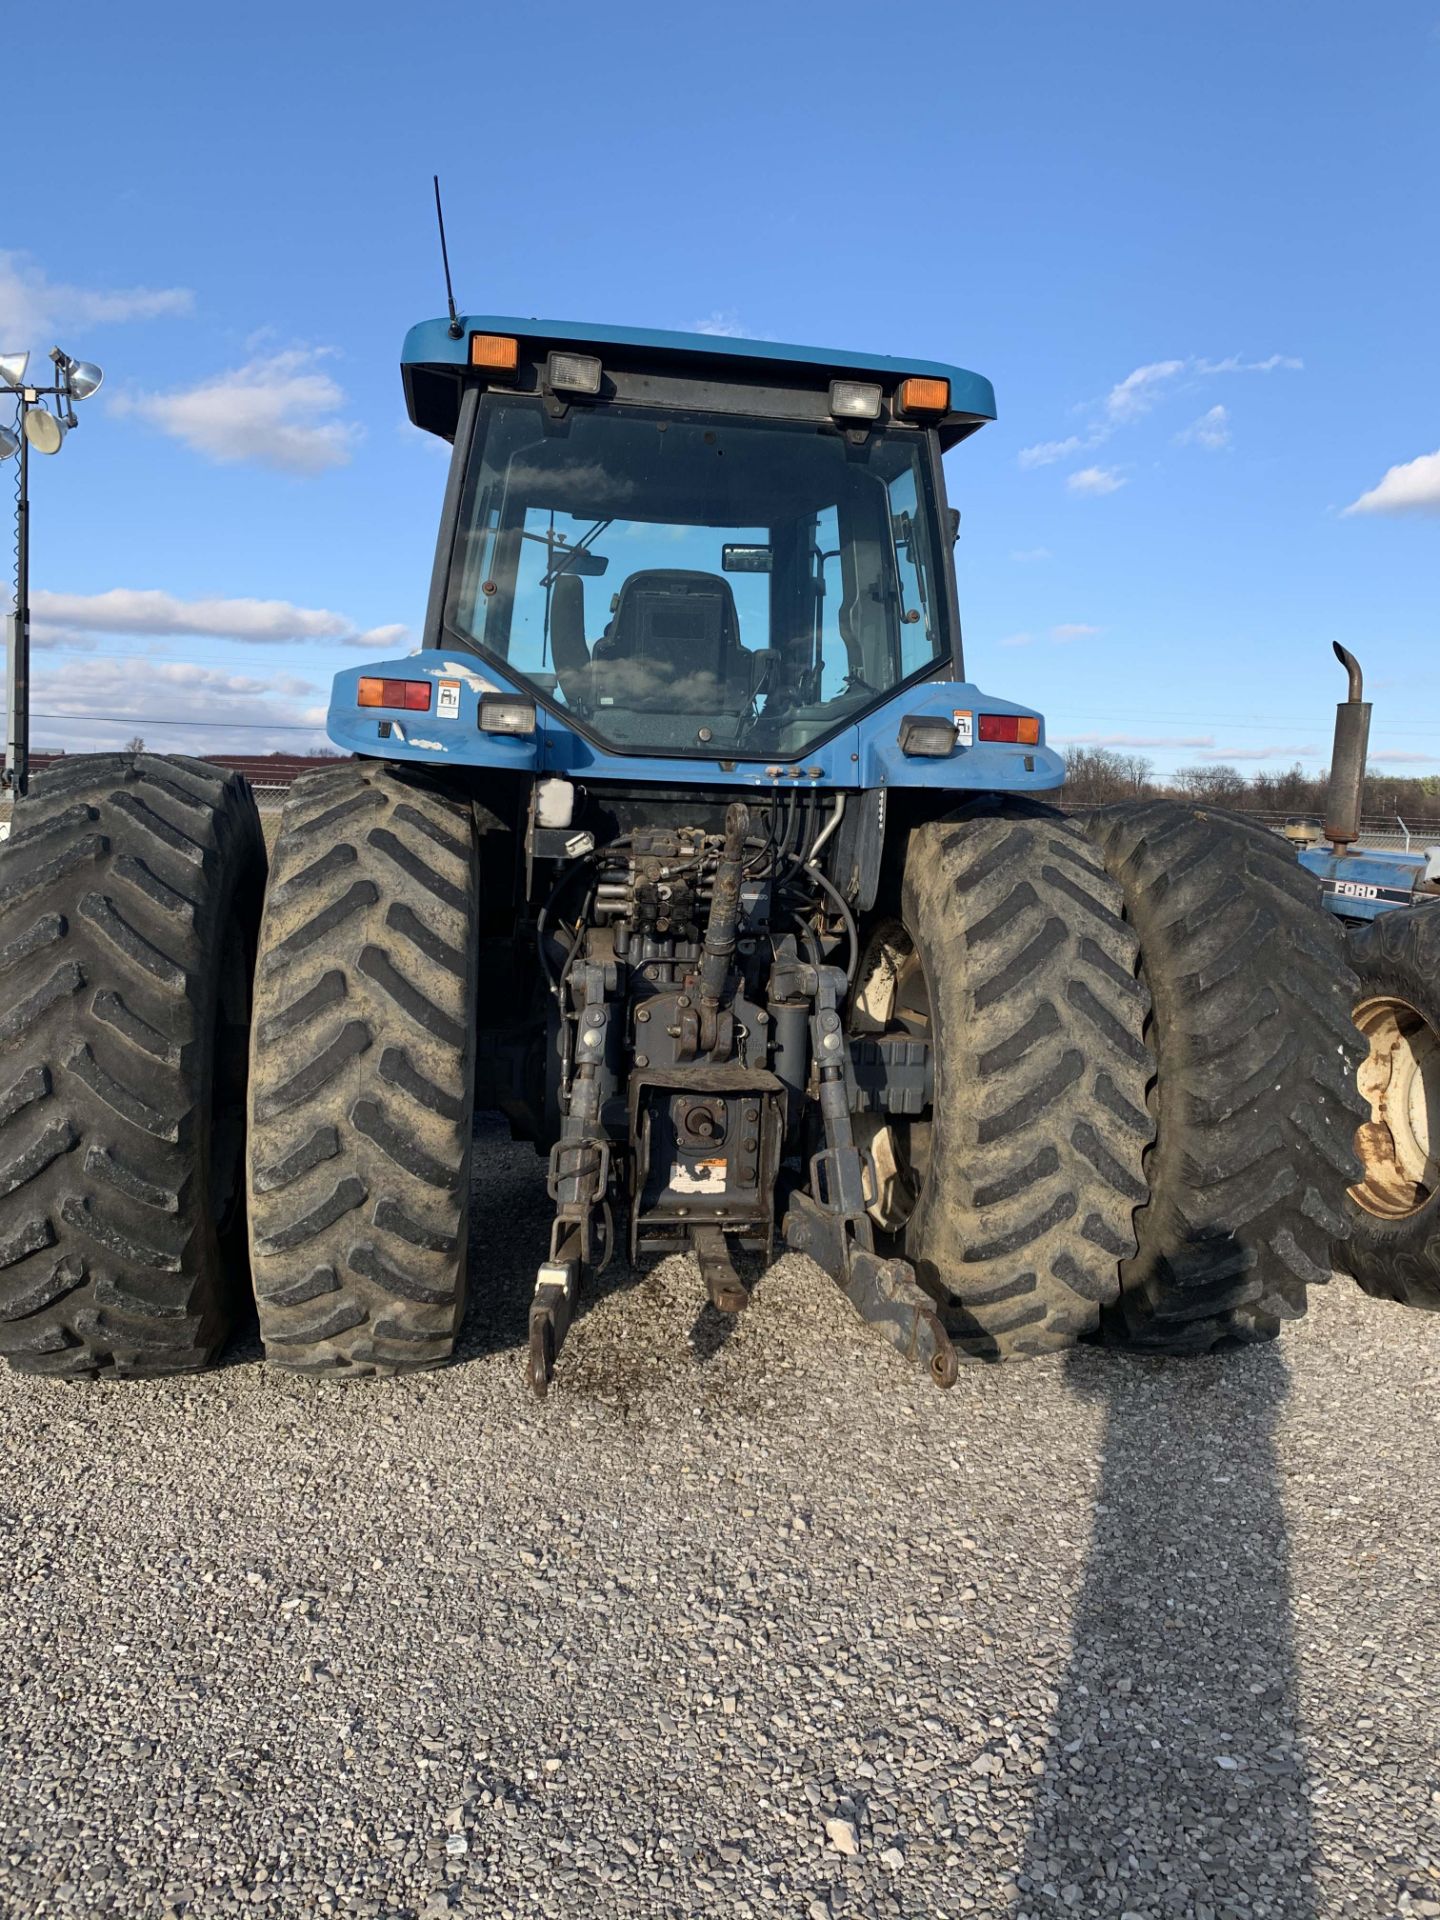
column 1399, row 1079
column 894, row 997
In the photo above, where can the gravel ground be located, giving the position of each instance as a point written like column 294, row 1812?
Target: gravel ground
column 746, row 1625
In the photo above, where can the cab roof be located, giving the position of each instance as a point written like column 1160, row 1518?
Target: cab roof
column 433, row 364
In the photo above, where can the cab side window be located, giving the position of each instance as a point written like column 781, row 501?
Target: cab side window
column 914, row 574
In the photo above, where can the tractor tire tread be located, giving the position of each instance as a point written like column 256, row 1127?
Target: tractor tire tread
column 127, row 879
column 1254, row 1097
column 362, row 1075
column 1041, row 1123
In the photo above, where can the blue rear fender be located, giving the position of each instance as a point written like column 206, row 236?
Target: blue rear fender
column 1368, row 882
column 863, row 755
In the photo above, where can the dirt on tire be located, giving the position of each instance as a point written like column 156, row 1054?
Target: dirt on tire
column 1040, row 1122
column 362, row 1075
column 130, row 892
column 1254, row 1099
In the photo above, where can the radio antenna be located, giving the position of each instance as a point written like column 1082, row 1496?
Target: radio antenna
column 455, row 327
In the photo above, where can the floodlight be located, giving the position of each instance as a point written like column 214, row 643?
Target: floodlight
column 43, row 430
column 12, row 368
column 9, row 443
column 83, row 378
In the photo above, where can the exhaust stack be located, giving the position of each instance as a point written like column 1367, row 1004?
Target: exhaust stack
column 1347, row 761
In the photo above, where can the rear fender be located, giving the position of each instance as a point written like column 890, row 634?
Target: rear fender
column 1367, row 882
column 865, row 754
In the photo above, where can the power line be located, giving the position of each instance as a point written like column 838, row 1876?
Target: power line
column 1250, row 726
column 156, row 720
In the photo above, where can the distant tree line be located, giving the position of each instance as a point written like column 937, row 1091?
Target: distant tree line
column 1095, row 776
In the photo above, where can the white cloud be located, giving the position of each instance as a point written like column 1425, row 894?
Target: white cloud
column 1234, row 364
column 1074, row 630
column 1046, row 452
column 61, row 639
column 1137, row 393
column 1309, row 752
column 1095, row 480
column 1395, row 757
column 177, row 706
column 724, row 324
column 1413, row 487
column 40, row 634
column 1131, row 740
column 1132, row 398
column 32, row 305
column 1017, row 640
column 1031, row 556
column 1211, row 431
column 380, row 639
column 275, row 410
column 154, row 614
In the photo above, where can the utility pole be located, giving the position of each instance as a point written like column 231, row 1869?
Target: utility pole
column 36, row 426
column 17, row 662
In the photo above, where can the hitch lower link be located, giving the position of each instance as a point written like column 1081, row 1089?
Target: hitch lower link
column 579, row 1181
column 832, row 1225
column 883, row 1292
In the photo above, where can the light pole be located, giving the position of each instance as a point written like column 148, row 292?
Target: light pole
column 35, row 426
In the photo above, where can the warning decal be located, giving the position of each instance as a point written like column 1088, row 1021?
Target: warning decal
column 706, row 1176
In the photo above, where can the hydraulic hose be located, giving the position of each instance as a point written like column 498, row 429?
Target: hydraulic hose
column 722, row 926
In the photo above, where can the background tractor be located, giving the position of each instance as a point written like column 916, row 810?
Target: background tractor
column 685, row 842
column 1386, row 899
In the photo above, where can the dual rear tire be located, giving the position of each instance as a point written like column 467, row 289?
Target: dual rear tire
column 1144, row 1073
column 131, row 931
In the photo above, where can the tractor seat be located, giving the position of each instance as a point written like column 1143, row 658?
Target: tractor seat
column 672, row 646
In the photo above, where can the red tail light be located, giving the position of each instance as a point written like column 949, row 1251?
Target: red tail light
column 410, row 696
column 1022, row 729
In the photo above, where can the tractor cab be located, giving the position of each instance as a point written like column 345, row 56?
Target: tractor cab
column 680, row 548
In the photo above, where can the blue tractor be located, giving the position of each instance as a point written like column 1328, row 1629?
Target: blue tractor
column 1386, row 899
column 685, row 842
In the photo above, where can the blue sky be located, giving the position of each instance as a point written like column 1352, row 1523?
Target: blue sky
column 1197, row 250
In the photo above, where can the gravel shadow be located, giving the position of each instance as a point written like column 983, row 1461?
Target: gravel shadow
column 1174, row 1782
column 509, row 1237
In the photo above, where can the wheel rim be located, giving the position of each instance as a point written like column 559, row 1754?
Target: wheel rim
column 895, row 999
column 1400, row 1080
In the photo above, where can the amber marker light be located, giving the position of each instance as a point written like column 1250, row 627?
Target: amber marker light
column 497, row 352
column 923, row 395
